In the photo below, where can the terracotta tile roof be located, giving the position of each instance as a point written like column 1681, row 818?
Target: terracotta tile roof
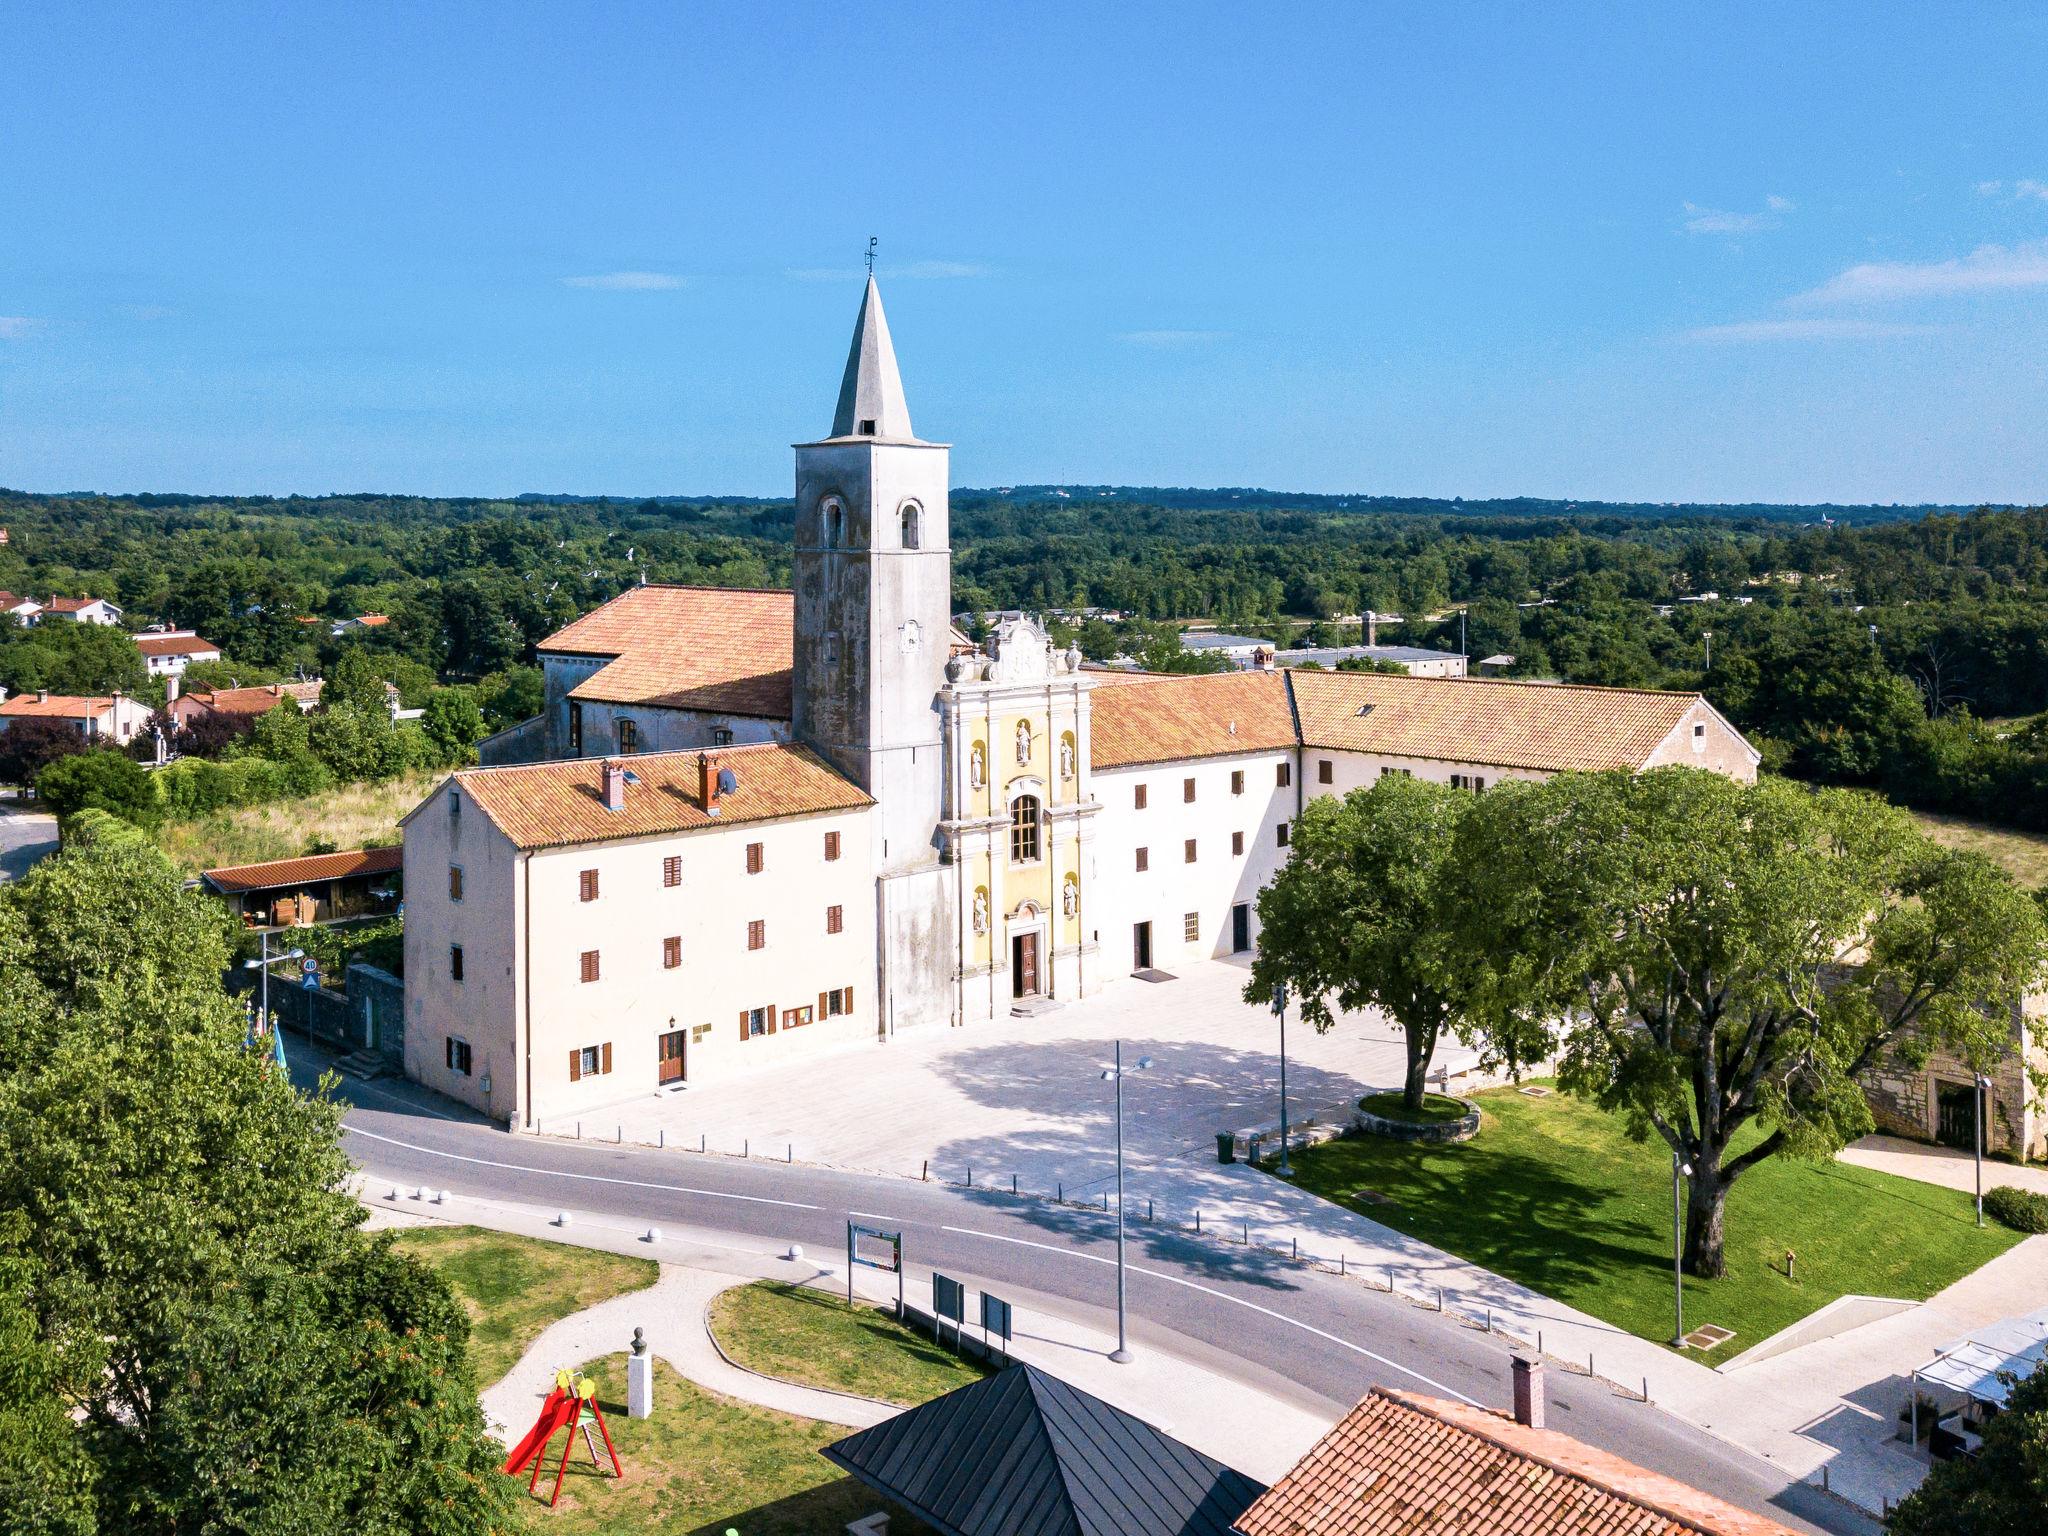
column 256, row 700
column 1401, row 1464
column 726, row 649
column 174, row 645
column 306, row 871
column 74, row 604
column 370, row 620
column 61, row 706
column 549, row 805
column 1547, row 727
column 1156, row 717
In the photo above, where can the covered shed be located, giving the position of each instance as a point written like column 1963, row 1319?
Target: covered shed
column 1023, row 1453
column 318, row 888
column 1977, row 1373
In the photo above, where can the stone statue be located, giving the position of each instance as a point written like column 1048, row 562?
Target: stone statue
column 981, row 911
column 1066, row 758
column 1070, row 897
column 1023, row 741
column 977, row 767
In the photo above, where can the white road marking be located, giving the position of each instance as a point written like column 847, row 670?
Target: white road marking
column 588, row 1178
column 1208, row 1290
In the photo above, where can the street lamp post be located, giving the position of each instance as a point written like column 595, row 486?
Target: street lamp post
column 1708, row 636
column 1115, row 1074
column 262, row 964
column 1285, row 1168
column 1680, row 1169
column 1982, row 1085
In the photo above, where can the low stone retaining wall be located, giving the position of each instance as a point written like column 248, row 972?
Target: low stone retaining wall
column 1464, row 1128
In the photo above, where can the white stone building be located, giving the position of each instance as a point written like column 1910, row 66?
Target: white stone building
column 917, row 833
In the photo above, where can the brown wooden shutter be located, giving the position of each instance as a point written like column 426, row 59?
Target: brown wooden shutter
column 849, row 999
column 605, row 1057
column 822, row 997
column 771, row 1021
column 575, row 1066
column 744, row 1032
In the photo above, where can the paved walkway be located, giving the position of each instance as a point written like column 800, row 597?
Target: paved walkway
column 1262, row 1435
column 1939, row 1165
column 25, row 837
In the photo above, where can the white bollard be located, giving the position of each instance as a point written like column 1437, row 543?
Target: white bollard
column 653, row 1235
column 561, row 1218
column 420, row 1193
column 394, row 1193
column 795, row 1252
column 440, row 1197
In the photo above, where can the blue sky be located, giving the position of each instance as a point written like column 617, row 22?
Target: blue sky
column 1669, row 252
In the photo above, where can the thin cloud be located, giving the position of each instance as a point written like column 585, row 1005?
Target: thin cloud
column 1170, row 338
column 1990, row 188
column 14, row 327
column 911, row 271
column 1722, row 221
column 2028, row 187
column 1815, row 328
column 626, row 282
column 1988, row 269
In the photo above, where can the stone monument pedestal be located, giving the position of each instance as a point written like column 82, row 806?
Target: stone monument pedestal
column 639, row 1380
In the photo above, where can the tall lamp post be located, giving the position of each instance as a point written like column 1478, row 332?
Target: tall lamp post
column 1982, row 1085
column 1680, row 1169
column 1285, row 1168
column 1115, row 1074
column 262, row 965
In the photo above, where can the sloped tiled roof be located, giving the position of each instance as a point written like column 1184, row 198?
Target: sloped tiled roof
column 62, row 706
column 174, row 645
column 306, row 871
column 1157, row 718
column 726, row 649
column 550, row 805
column 1401, row 1464
column 75, row 604
column 256, row 700
column 1022, row 1453
column 1548, row 727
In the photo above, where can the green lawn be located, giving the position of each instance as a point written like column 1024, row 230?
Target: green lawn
column 1552, row 1194
column 705, row 1464
column 814, row 1338
column 514, row 1287
column 1435, row 1107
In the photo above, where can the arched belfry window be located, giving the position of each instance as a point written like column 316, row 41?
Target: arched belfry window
column 1024, row 830
column 911, row 517
column 833, row 520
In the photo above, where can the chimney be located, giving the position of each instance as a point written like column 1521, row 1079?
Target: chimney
column 277, row 690
column 707, row 783
column 1372, row 627
column 1528, row 1391
column 42, row 695
column 614, row 787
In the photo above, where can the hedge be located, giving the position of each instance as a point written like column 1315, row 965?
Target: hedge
column 2020, row 1209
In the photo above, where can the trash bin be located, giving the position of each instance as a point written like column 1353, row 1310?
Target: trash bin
column 1226, row 1147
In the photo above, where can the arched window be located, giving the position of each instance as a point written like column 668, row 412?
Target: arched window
column 1024, row 830
column 834, row 522
column 910, row 520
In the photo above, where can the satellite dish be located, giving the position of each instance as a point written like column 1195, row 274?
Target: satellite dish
column 728, row 781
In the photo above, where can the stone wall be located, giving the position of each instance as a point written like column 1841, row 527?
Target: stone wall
column 1904, row 1099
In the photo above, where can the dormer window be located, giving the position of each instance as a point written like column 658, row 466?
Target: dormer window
column 910, row 525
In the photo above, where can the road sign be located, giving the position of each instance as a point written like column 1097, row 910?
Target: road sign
column 948, row 1297
column 995, row 1316
column 893, row 1264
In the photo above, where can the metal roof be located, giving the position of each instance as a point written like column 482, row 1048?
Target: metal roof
column 1025, row 1454
column 1984, row 1364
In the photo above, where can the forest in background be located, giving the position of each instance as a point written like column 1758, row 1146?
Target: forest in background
column 1901, row 648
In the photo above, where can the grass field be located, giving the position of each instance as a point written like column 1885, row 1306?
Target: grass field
column 706, row 1464
column 808, row 1336
column 1435, row 1108
column 2023, row 855
column 348, row 817
column 1552, row 1194
column 514, row 1287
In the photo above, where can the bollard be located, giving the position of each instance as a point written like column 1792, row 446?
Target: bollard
column 1247, row 1234
column 661, row 1137
column 1489, row 1319
column 394, row 1193
column 970, row 1175
column 789, row 1153
column 925, row 1175
column 1824, row 1478
column 1539, row 1341
column 1646, row 1389
column 653, row 1235
column 1059, row 1192
column 561, row 1218
column 579, row 1130
column 1013, row 1183
column 1296, row 1245
column 1341, row 1265
column 1390, row 1279
column 1439, row 1298
column 703, row 1141
column 620, row 1138
column 1105, row 1202
column 1148, row 1209
column 1198, row 1220
column 1589, row 1362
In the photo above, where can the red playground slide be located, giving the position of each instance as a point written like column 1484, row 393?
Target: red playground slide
column 570, row 1407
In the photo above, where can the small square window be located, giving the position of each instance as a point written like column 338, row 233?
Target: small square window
column 1237, row 842
column 1191, row 927
column 458, row 1055
column 455, row 962
column 454, row 801
column 835, row 919
column 1280, row 834
column 1144, row 860
column 671, row 952
column 757, row 934
column 1283, row 774
column 589, row 1061
column 721, row 736
column 1699, row 731
column 672, row 870
column 1325, row 771
column 1188, row 851
column 831, row 846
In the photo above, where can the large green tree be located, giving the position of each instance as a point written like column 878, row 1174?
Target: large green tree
column 1356, row 917
column 2003, row 1490
column 1727, row 958
column 232, row 1353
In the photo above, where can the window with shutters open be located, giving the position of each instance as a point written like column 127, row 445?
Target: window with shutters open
column 672, row 870
column 835, row 919
column 590, row 1061
column 1283, row 774
column 586, row 885
column 590, row 965
column 671, row 952
column 757, row 934
column 831, row 846
column 756, row 858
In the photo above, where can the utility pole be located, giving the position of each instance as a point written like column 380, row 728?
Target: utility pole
column 1122, row 1354
column 1286, row 1167
column 1679, row 1169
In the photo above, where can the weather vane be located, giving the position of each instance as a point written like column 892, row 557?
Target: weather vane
column 872, row 242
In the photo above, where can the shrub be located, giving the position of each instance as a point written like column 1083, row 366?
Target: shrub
column 2021, row 1209
column 102, row 779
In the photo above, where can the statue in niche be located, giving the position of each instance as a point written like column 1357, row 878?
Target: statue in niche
column 977, row 768
column 980, row 911
column 1066, row 757
column 1023, row 741
column 1070, row 897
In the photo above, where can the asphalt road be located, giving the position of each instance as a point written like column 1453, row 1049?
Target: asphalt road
column 25, row 836
column 1303, row 1335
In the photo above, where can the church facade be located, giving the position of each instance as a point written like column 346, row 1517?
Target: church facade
column 762, row 824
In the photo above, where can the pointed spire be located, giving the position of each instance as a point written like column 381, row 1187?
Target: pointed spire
column 871, row 402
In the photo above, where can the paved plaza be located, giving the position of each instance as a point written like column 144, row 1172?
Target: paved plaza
column 1025, row 1097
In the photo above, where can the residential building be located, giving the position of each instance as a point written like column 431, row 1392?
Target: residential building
column 1415, row 660
column 113, row 720
column 1405, row 1464
column 1014, row 829
column 23, row 608
column 1240, row 650
column 168, row 652
column 80, row 610
column 244, row 703
column 316, row 888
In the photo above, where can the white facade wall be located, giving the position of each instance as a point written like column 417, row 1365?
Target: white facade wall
column 175, row 664
column 657, row 728
column 1361, row 770
column 1170, row 887
column 523, row 1006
